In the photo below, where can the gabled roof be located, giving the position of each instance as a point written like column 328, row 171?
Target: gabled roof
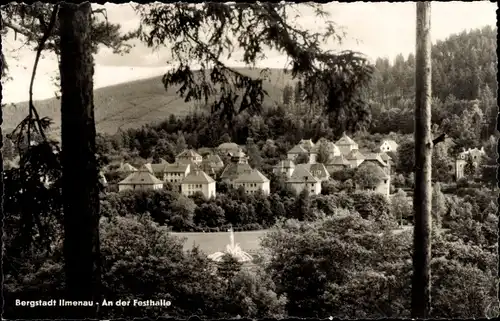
column 385, row 157
column 232, row 170
column 197, row 177
column 345, row 140
column 392, row 144
column 355, row 155
column 302, row 175
column 297, row 149
column 339, row 160
column 312, row 168
column 307, row 144
column 176, row 168
column 126, row 167
column 189, row 153
column 142, row 177
column 375, row 157
column 286, row 163
column 252, row 176
column 215, row 159
column 329, row 145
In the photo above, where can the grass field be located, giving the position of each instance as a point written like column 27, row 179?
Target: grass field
column 133, row 104
column 216, row 242
column 249, row 240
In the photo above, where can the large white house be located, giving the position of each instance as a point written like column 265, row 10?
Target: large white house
column 175, row 173
column 476, row 155
column 303, row 179
column 252, row 181
column 198, row 181
column 142, row 179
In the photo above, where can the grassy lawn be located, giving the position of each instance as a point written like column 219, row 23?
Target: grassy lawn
column 216, row 242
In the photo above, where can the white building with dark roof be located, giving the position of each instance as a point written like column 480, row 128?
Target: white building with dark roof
column 346, row 144
column 198, row 181
column 187, row 156
column 142, row 179
column 175, row 173
column 318, row 170
column 252, row 181
column 303, row 179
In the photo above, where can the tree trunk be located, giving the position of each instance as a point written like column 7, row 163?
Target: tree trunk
column 80, row 175
column 422, row 199
column 2, row 214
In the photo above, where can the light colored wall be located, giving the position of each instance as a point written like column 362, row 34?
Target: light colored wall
column 176, row 177
column 314, row 188
column 208, row 190
column 252, row 188
column 139, row 187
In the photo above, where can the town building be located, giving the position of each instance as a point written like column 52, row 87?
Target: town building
column 284, row 167
column 188, row 156
column 388, row 145
column 198, row 181
column 346, row 145
column 141, row 179
column 475, row 155
column 175, row 173
column 384, row 187
column 338, row 163
column 303, row 179
column 238, row 165
column 355, row 158
column 252, row 181
column 318, row 170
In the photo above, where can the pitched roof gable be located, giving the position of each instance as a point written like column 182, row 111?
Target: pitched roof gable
column 252, row 176
column 302, row 175
column 197, row 177
column 355, row 155
column 141, row 178
column 297, row 149
column 345, row 140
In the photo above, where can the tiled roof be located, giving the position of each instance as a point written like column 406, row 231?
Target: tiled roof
column 385, row 157
column 307, row 144
column 355, row 155
column 376, row 157
column 252, row 176
column 302, row 175
column 197, row 177
column 345, row 140
column 142, row 177
column 297, row 149
column 189, row 153
column 312, row 168
column 215, row 159
column 339, row 160
column 176, row 168
column 232, row 170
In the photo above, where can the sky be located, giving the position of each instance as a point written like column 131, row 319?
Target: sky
column 375, row 29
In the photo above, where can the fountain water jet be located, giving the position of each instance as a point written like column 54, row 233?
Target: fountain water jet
column 232, row 249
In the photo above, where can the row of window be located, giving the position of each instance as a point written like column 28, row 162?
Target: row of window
column 192, row 186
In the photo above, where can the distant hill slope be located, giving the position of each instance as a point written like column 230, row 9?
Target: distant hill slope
column 136, row 103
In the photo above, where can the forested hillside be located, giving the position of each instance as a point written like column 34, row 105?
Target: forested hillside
column 464, row 68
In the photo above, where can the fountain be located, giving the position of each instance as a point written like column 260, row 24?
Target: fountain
column 232, row 249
